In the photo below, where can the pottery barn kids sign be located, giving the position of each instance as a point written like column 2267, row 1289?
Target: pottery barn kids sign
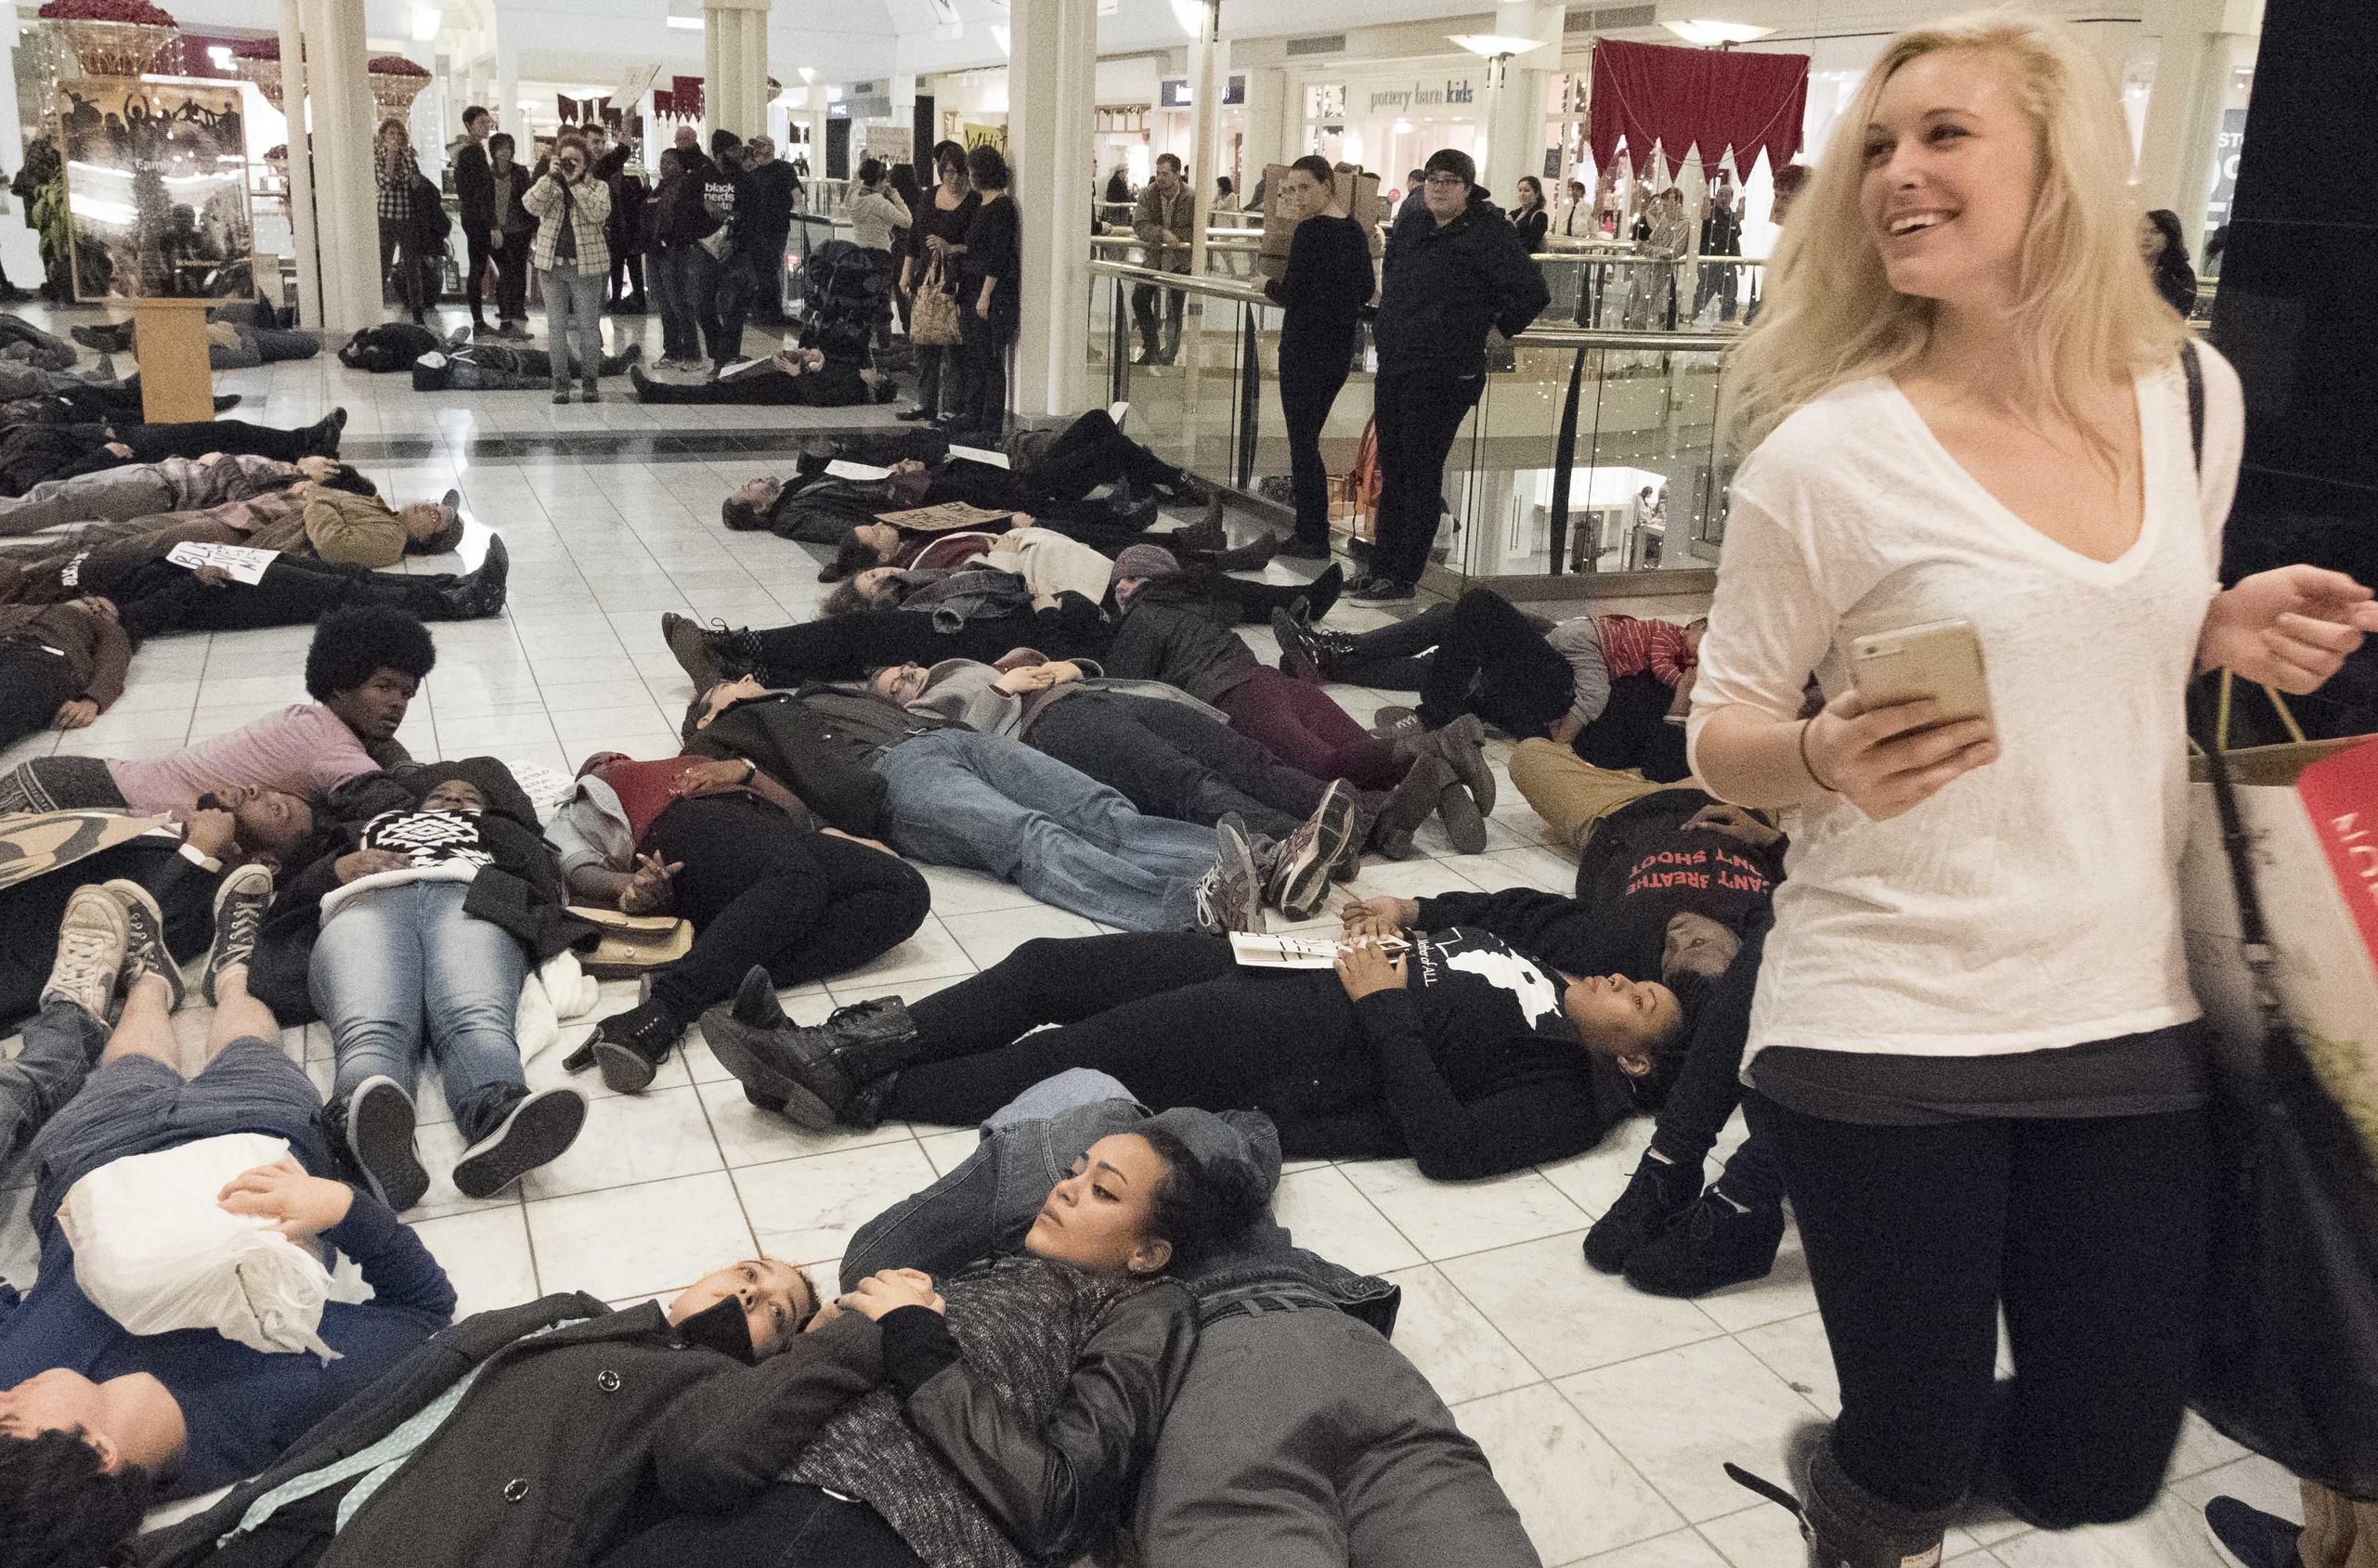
column 1400, row 97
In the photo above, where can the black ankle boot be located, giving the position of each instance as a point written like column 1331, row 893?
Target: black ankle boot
column 1656, row 1193
column 1844, row 1524
column 629, row 1047
column 1715, row 1243
column 816, row 1077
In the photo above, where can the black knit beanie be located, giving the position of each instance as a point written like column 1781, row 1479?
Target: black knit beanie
column 1452, row 161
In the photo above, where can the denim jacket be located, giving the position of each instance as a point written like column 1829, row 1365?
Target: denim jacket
column 988, row 1203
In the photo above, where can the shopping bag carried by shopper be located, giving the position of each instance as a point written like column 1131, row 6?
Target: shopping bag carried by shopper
column 2280, row 890
column 933, row 317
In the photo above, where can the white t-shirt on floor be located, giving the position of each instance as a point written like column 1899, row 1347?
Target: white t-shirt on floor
column 2033, row 902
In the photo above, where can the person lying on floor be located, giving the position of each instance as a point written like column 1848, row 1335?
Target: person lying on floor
column 31, row 454
column 1169, row 755
column 1300, row 1438
column 1451, row 1047
column 19, row 379
column 997, row 1416
column 97, row 1423
column 1677, row 885
column 494, row 367
column 307, row 522
column 990, row 574
column 61, row 665
column 803, row 376
column 1025, row 1386
column 95, row 508
column 849, row 647
column 1300, row 724
column 162, row 596
column 19, row 338
column 826, row 509
column 411, row 936
column 947, row 796
column 361, row 669
column 763, row 879
column 180, row 864
column 253, row 315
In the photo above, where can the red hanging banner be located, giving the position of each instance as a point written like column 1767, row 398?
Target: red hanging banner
column 1711, row 99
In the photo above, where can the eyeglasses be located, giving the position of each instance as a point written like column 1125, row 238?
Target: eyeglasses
column 1445, row 181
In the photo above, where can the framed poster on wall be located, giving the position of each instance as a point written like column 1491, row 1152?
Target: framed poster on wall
column 156, row 189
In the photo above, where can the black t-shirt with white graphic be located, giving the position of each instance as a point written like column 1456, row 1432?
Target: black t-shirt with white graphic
column 428, row 839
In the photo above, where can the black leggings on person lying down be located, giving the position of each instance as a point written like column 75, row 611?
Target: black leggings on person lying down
column 1171, row 1013
column 791, row 1525
column 296, row 591
column 762, row 892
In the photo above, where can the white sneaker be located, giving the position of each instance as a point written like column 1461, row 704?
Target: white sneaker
column 92, row 938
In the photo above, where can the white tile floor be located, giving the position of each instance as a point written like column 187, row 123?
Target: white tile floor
column 1607, row 1413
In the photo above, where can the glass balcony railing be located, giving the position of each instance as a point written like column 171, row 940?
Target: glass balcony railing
column 1590, row 467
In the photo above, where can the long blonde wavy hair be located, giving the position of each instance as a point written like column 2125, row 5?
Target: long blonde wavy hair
column 2085, row 311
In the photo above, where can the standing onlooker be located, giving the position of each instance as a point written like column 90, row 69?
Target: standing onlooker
column 1414, row 183
column 394, row 171
column 1531, row 218
column 939, row 235
column 875, row 212
column 1118, row 194
column 1455, row 271
column 723, row 293
column 989, row 296
column 1973, row 1041
column 474, row 192
column 516, row 231
column 625, row 232
column 1324, row 290
column 2166, row 253
column 572, row 261
column 680, row 222
column 902, row 181
column 1576, row 216
column 1162, row 220
column 764, row 194
column 1721, row 235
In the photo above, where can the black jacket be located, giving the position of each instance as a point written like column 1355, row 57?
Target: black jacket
column 764, row 201
column 1441, row 288
column 570, row 1443
column 475, row 189
column 677, row 214
column 809, row 749
column 1180, row 647
column 430, row 226
column 392, row 345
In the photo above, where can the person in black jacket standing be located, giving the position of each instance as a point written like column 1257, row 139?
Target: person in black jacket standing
column 1455, row 270
column 990, row 297
column 475, row 189
column 1327, row 284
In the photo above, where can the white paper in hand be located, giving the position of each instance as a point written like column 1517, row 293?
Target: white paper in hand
column 841, row 469
column 154, row 1250
column 242, row 562
column 978, row 454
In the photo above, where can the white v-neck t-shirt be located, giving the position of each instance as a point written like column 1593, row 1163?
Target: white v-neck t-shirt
column 2033, row 902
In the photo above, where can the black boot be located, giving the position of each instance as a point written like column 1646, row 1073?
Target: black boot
column 813, row 1076
column 1844, row 1524
column 1718, row 1241
column 1658, row 1192
column 475, row 595
column 1306, row 652
column 1411, row 803
column 629, row 1047
column 2253, row 1538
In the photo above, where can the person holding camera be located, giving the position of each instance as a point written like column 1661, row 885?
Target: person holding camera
column 572, row 259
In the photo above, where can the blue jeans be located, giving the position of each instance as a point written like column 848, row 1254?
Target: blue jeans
column 955, row 797
column 573, row 299
column 398, row 969
column 692, row 275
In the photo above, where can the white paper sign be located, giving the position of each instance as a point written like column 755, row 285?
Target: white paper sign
column 839, row 468
column 1295, row 952
column 242, row 562
column 978, row 454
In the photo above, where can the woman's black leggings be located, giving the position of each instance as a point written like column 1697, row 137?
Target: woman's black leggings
column 761, row 891
column 2090, row 1234
column 1307, row 393
column 1169, row 1013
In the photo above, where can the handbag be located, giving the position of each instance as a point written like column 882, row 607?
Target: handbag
column 933, row 319
column 2278, row 882
column 715, row 242
column 624, row 946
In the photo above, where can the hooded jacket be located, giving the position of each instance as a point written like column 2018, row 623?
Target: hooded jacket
column 810, row 749
column 968, row 691
column 1442, row 288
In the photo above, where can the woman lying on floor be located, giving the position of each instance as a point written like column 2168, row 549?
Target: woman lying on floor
column 998, row 1416
column 1454, row 1049
column 763, row 880
column 803, row 376
column 1001, row 574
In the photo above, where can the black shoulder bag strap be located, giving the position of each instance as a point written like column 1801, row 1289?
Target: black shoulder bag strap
column 2195, row 372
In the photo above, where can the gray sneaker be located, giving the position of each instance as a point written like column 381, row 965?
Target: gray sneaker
column 145, row 952
column 537, row 1131
column 1230, row 896
column 1299, row 881
column 378, row 1124
column 91, row 942
column 240, row 905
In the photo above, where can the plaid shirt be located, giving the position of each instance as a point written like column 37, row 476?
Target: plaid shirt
column 395, row 176
column 589, row 202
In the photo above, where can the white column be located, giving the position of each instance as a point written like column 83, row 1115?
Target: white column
column 735, row 55
column 301, row 168
column 1268, row 124
column 2196, row 41
column 345, row 200
column 19, row 246
column 1209, row 69
column 1052, row 59
column 509, row 114
column 1516, row 109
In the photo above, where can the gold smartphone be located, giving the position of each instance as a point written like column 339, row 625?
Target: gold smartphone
column 1942, row 660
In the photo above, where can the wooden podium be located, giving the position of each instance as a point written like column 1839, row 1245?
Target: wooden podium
column 176, row 378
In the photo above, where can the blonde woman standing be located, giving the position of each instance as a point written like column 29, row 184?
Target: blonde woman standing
column 394, row 172
column 1974, row 1041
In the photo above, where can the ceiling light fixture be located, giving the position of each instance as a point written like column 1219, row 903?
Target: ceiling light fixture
column 1495, row 46
column 1717, row 34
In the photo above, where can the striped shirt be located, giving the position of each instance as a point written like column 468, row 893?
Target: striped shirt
column 1631, row 646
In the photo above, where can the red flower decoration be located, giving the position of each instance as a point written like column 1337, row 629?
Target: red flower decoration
column 256, row 49
column 107, row 10
column 395, row 65
column 278, row 153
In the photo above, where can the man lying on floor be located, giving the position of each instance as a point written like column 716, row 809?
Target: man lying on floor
column 94, row 1422
column 93, row 508
column 1300, row 1438
column 494, row 367
column 763, row 879
column 948, row 795
column 241, row 334
column 361, row 669
column 801, row 376
column 31, row 454
column 1000, row 1414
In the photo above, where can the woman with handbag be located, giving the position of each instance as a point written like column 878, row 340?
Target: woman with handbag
column 764, row 882
column 929, row 278
column 1973, row 1041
